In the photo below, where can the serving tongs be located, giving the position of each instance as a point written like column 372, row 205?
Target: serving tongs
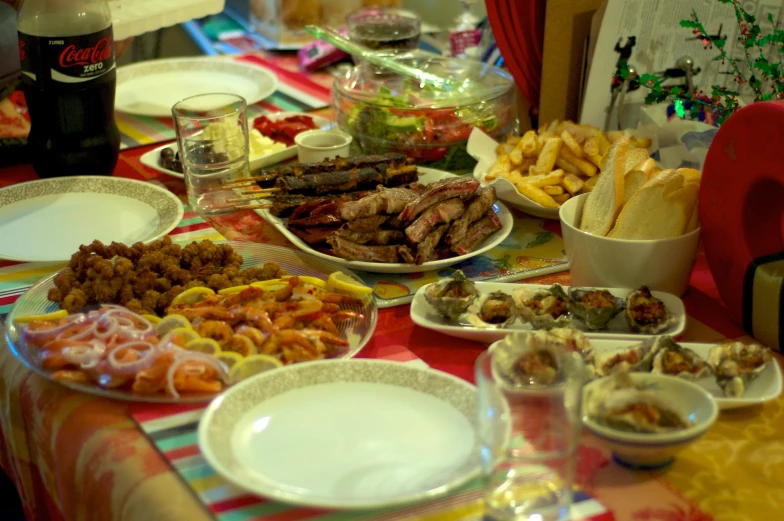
column 457, row 86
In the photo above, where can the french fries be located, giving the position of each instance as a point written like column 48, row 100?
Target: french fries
column 558, row 161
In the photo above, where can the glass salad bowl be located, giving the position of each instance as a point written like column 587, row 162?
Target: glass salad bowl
column 387, row 112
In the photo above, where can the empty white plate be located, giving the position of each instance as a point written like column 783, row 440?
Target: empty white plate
column 152, row 87
column 344, row 434
column 47, row 220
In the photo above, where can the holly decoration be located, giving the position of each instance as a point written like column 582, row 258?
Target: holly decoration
column 764, row 77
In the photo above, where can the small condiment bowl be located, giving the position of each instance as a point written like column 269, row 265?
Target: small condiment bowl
column 319, row 145
column 601, row 262
column 655, row 451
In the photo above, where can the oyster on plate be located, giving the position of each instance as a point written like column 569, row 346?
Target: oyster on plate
column 543, row 308
column 646, row 314
column 496, row 309
column 451, row 296
column 637, row 358
column 620, row 404
column 595, row 307
column 737, row 364
column 572, row 339
column 674, row 360
column 529, row 359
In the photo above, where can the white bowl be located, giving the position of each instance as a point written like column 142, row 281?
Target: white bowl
column 653, row 451
column 595, row 261
column 318, row 145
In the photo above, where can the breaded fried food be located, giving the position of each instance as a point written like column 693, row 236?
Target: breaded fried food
column 146, row 278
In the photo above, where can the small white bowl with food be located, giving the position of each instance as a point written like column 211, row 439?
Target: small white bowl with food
column 645, row 419
column 637, row 227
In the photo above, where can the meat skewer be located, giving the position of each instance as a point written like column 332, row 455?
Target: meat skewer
column 478, row 206
column 345, row 180
column 362, row 252
column 442, row 190
column 477, row 232
column 444, row 212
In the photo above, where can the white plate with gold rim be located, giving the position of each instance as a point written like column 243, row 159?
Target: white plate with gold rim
column 350, row 434
column 427, row 176
column 48, row 219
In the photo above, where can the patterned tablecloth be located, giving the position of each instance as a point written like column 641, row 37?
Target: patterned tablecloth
column 77, row 457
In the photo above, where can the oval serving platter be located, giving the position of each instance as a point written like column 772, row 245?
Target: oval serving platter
column 35, row 302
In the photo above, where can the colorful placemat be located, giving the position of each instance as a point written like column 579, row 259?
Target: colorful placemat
column 295, row 93
column 172, row 429
column 534, row 248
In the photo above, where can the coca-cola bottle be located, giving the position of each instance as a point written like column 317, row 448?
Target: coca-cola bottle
column 68, row 78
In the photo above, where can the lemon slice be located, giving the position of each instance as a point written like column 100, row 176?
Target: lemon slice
column 54, row 315
column 252, row 365
column 192, row 295
column 319, row 283
column 187, row 334
column 233, row 289
column 265, row 283
column 230, row 358
column 172, row 322
column 341, row 282
column 204, row 345
column 152, row 319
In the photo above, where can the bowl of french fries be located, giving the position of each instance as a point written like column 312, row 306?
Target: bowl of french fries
column 638, row 226
column 542, row 169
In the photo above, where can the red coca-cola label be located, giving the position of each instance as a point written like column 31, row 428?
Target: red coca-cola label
column 71, row 60
column 72, row 56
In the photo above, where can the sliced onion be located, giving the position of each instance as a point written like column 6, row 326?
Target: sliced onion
column 148, row 355
column 166, row 344
column 191, row 356
column 106, row 328
column 89, row 332
column 42, row 335
column 82, row 355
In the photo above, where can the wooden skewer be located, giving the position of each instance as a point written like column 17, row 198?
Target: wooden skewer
column 251, row 179
column 266, row 191
column 239, row 185
column 252, row 206
column 247, row 198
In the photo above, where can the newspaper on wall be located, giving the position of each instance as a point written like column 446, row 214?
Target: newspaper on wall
column 648, row 36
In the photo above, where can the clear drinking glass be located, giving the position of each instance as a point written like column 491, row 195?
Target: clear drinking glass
column 529, row 433
column 212, row 135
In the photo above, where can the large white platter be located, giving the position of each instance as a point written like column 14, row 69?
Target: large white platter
column 349, row 434
column 427, row 175
column 35, row 301
column 47, row 220
column 423, row 314
column 151, row 88
column 766, row 387
column 152, row 158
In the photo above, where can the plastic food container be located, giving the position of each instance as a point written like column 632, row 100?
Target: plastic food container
column 386, row 112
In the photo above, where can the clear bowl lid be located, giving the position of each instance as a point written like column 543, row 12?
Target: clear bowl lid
column 469, row 82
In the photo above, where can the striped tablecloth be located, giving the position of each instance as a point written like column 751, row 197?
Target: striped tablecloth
column 173, row 432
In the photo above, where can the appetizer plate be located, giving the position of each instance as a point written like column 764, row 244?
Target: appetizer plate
column 423, row 314
column 35, row 302
column 427, row 175
column 152, row 158
column 395, row 434
column 47, row 221
column 766, row 387
column 152, row 87
column 482, row 148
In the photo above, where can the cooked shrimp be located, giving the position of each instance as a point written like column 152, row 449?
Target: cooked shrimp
column 240, row 344
column 254, row 334
column 76, row 376
column 221, row 332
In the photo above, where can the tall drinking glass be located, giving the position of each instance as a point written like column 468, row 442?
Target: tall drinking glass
column 212, row 135
column 529, row 428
